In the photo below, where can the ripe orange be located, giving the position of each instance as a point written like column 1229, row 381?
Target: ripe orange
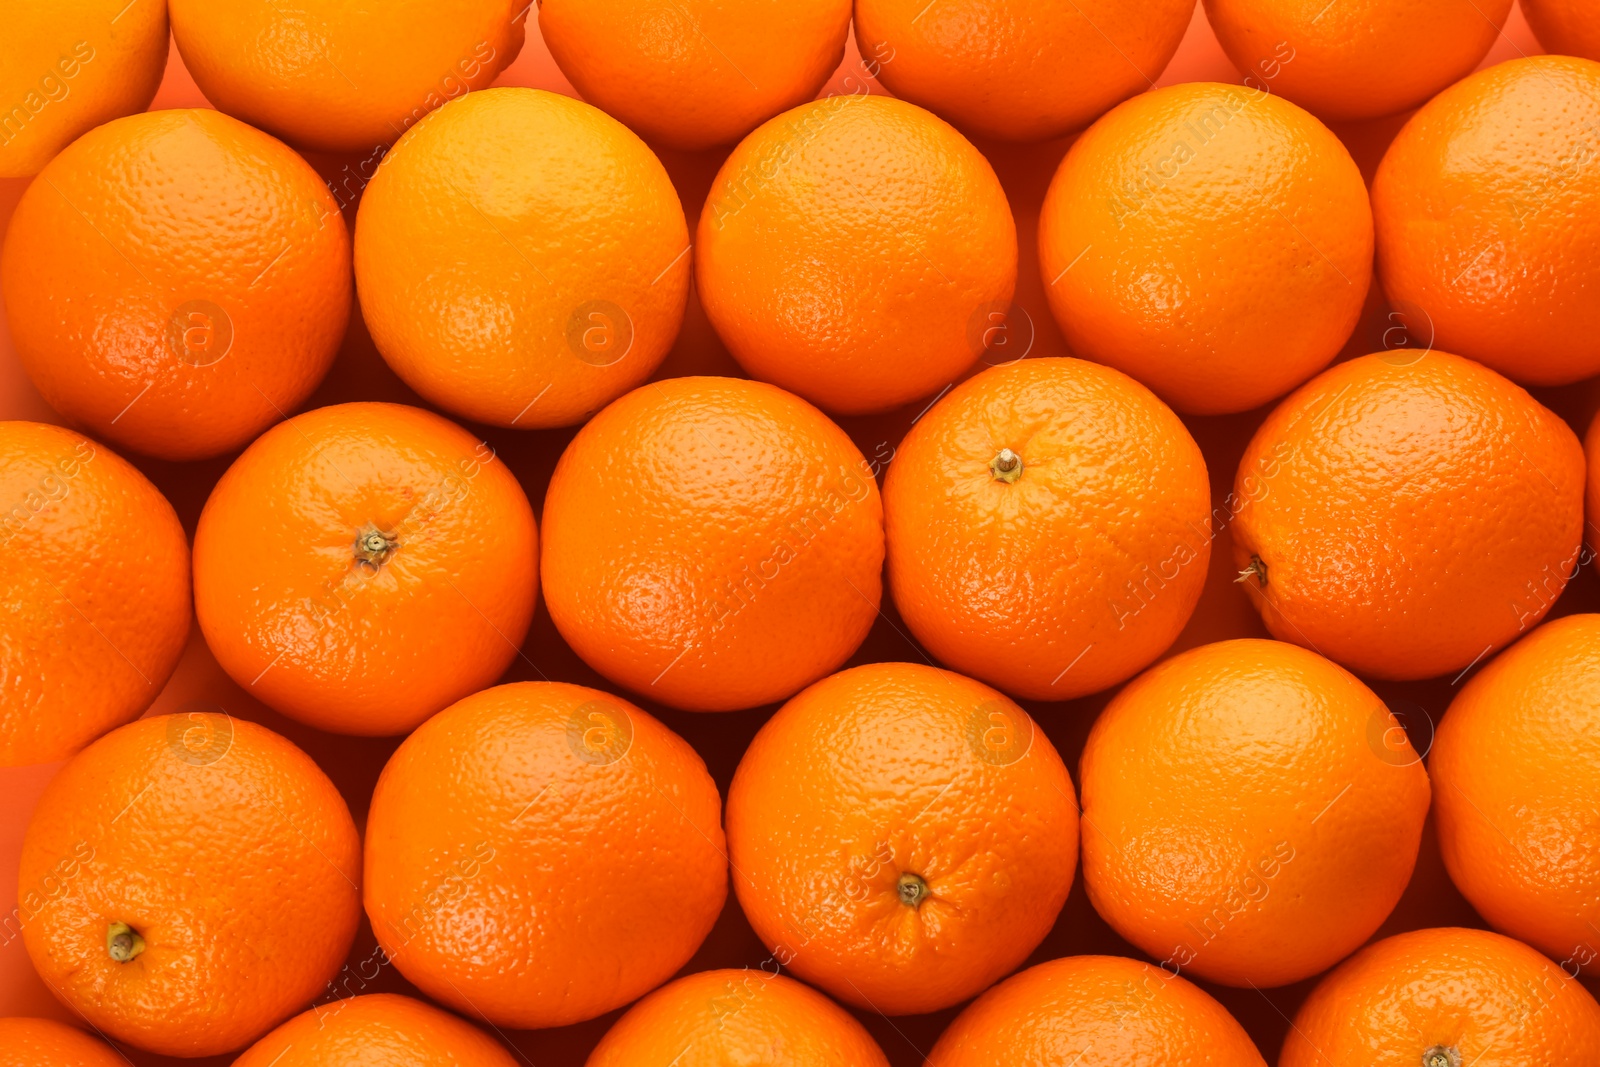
column 42, row 1043
column 1406, row 514
column 712, row 543
column 695, row 73
column 1570, row 27
column 852, row 249
column 541, row 853
column 1212, row 241
column 522, row 259
column 1095, row 1011
column 177, row 282
column 69, row 66
column 1591, row 492
column 343, row 77
column 96, row 572
column 901, row 836
column 1048, row 527
column 1515, row 761
column 1017, row 69
column 361, row 566
column 378, row 1030
column 1252, row 812
column 716, row 1018
column 1356, row 59
column 1489, row 225
column 1445, row 998
column 187, row 881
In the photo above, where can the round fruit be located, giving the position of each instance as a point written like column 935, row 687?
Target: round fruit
column 1018, row 69
column 522, row 259
column 901, row 836
column 1356, row 59
column 1407, row 514
column 96, row 572
column 1212, row 241
column 70, row 65
column 1515, row 760
column 1591, row 492
column 1444, row 998
column 342, row 77
column 716, row 1018
column 43, row 1043
column 380, row 1030
column 188, row 880
column 361, row 566
column 1048, row 527
column 177, row 282
column 1256, row 812
column 1489, row 224
column 695, row 73
column 712, row 543
column 541, row 853
column 852, row 249
column 1570, row 27
column 1095, row 1011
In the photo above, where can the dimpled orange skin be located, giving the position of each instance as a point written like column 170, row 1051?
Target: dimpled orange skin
column 342, row 77
column 1255, row 812
column 690, row 74
column 1358, row 59
column 542, row 853
column 1591, row 493
column 897, row 779
column 1410, row 514
column 44, row 1043
column 851, row 250
column 379, row 1030
column 96, row 572
column 712, row 543
column 1569, row 27
column 1019, row 70
column 177, row 282
column 224, row 847
column 1095, row 1011
column 716, row 1018
column 365, row 642
column 71, row 65
column 1082, row 570
column 1212, row 241
column 1467, row 996
column 522, row 259
column 1515, row 761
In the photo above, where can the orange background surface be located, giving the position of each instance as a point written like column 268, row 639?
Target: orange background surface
column 354, row 763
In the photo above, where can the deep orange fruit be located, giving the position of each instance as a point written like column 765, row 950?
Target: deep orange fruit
column 379, row 1030
column 361, row 566
column 1569, row 27
column 43, row 1043
column 901, row 836
column 189, row 880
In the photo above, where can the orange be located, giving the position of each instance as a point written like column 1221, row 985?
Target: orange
column 364, row 565
column 712, row 543
column 343, row 77
column 43, row 1043
column 1095, row 1011
column 70, row 65
column 690, row 74
column 96, row 573
column 541, row 853
column 1445, row 998
column 1488, row 221
column 1356, row 59
column 1570, row 27
column 380, row 1030
column 1212, row 241
column 1048, row 528
column 851, row 250
column 1515, row 761
column 1407, row 513
column 187, row 881
column 716, row 1018
column 1252, row 812
column 522, row 259
column 1591, row 493
column 177, row 282
column 901, row 836
column 1019, row 70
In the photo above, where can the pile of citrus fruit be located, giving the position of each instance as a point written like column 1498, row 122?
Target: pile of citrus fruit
column 881, row 653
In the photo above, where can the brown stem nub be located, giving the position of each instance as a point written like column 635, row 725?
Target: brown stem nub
column 912, row 889
column 1007, row 466
column 1256, row 570
column 123, row 942
column 373, row 546
column 1441, row 1056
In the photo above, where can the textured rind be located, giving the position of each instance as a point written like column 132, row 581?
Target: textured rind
column 46, row 1043
column 1570, row 27
column 378, row 1030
